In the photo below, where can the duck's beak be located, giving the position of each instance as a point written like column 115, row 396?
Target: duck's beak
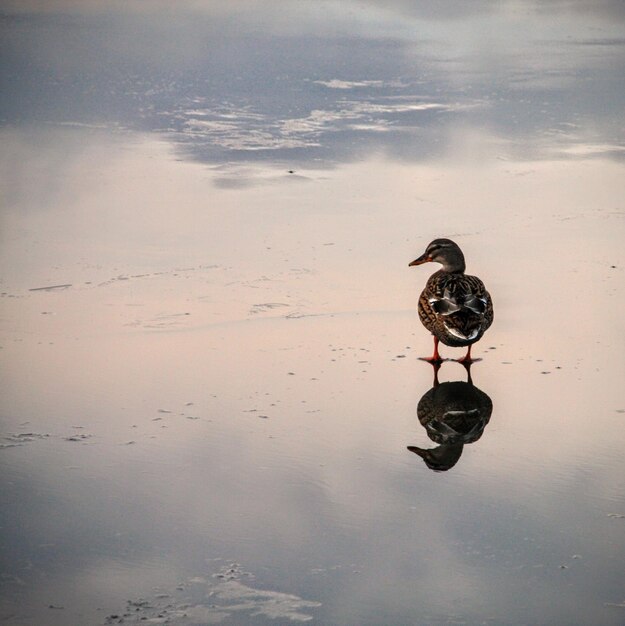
column 424, row 258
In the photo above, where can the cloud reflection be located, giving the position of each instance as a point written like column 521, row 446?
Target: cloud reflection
column 256, row 82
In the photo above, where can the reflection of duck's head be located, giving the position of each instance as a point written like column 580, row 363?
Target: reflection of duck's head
column 452, row 414
column 439, row 459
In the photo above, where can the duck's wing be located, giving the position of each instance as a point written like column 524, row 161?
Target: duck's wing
column 449, row 293
column 462, row 303
column 450, row 302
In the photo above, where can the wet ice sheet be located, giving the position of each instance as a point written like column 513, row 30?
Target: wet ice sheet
column 152, row 241
column 297, row 469
column 209, row 346
column 250, row 397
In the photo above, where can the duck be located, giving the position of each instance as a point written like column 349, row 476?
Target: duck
column 455, row 307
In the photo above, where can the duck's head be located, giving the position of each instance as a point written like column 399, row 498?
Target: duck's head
column 443, row 251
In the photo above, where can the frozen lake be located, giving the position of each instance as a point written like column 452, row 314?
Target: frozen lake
column 209, row 342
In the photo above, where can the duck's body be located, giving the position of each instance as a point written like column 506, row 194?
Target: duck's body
column 455, row 307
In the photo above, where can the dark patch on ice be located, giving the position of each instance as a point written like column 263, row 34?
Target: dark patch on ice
column 77, row 437
column 19, row 439
column 51, row 287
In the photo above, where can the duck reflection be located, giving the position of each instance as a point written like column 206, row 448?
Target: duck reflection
column 453, row 414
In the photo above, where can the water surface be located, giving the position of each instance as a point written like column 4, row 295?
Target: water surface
column 209, row 343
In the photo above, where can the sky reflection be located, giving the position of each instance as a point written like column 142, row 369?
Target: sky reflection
column 310, row 83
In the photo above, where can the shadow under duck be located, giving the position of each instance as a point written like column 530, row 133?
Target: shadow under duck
column 455, row 307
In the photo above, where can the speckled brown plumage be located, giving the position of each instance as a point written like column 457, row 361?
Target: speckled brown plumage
column 470, row 321
column 455, row 307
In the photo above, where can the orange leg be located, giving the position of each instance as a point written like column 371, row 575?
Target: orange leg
column 466, row 359
column 436, row 357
